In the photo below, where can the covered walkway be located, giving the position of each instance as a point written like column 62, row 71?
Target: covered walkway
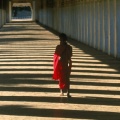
column 95, row 23
column 27, row 91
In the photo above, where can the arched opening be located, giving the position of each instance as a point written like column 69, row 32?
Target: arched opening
column 21, row 11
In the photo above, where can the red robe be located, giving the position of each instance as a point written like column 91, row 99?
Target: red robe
column 62, row 70
column 56, row 67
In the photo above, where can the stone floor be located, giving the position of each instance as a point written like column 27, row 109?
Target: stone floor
column 27, row 91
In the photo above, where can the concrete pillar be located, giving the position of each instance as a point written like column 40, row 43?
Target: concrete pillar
column 10, row 11
column 0, row 17
column 115, row 30
column 7, row 11
column 103, row 27
column 4, row 4
column 118, row 27
column 0, row 13
column 38, row 4
column 33, row 11
column 108, row 7
column 90, row 25
column 93, row 22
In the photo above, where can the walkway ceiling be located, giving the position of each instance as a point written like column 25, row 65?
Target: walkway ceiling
column 21, row 4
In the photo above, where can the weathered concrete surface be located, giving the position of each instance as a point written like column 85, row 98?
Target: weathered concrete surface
column 27, row 91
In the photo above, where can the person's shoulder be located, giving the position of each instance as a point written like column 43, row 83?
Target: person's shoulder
column 69, row 46
column 57, row 46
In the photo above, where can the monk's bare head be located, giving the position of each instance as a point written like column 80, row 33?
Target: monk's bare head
column 63, row 37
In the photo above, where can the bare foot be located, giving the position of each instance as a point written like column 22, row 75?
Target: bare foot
column 69, row 96
column 61, row 94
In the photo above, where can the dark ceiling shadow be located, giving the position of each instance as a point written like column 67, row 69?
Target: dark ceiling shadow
column 14, row 81
column 55, row 90
column 19, row 28
column 97, row 54
column 39, row 64
column 57, row 113
column 24, row 34
column 7, row 40
column 73, row 100
column 29, row 89
column 3, row 76
column 95, row 84
column 39, row 60
column 95, row 77
column 97, row 71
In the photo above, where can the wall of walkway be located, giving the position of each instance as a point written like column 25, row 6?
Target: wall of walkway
column 93, row 22
column 3, row 12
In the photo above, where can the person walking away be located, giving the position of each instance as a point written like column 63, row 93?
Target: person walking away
column 62, row 64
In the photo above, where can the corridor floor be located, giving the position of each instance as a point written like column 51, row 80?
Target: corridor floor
column 28, row 92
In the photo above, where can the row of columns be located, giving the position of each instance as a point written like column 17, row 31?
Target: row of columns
column 4, row 14
column 6, row 11
column 93, row 22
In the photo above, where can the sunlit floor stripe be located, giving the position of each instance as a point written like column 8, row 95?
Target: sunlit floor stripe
column 25, row 72
column 61, row 106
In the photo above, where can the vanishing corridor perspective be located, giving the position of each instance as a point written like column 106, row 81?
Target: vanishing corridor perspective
column 27, row 91
column 29, row 32
column 95, row 23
